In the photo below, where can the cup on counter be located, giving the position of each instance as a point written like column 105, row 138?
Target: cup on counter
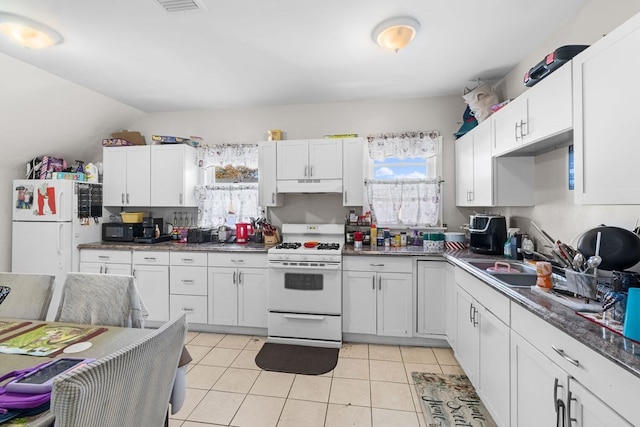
column 632, row 315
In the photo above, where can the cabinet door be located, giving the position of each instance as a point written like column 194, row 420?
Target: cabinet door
column 223, row 296
column 325, row 159
column 605, row 149
column 493, row 370
column 138, row 173
column 114, row 176
column 267, row 182
column 431, row 294
column 508, row 124
column 395, row 302
column 464, row 169
column 353, row 172
column 153, row 285
column 537, row 384
column 359, row 302
column 482, row 165
column 549, row 109
column 172, row 175
column 450, row 304
column 91, row 267
column 293, row 159
column 586, row 410
column 252, row 297
column 467, row 337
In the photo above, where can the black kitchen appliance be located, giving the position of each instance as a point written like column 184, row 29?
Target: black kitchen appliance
column 487, row 233
column 201, row 235
column 121, row 232
column 152, row 231
column 551, row 62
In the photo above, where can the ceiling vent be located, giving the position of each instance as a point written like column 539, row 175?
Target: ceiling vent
column 181, row 5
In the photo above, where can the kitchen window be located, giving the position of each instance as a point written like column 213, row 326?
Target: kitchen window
column 403, row 188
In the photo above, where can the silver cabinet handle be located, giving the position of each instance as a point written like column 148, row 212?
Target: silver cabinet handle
column 564, row 355
column 239, row 277
column 273, row 197
column 376, row 265
column 379, row 283
column 101, row 267
column 188, row 281
column 188, row 310
column 518, row 134
column 237, row 261
column 345, row 196
column 127, row 198
column 570, row 399
column 471, row 313
column 558, row 404
column 522, row 132
column 310, row 171
column 105, row 257
column 122, row 197
column 305, row 170
column 373, row 282
column 187, row 260
column 150, row 258
column 234, row 278
column 180, row 198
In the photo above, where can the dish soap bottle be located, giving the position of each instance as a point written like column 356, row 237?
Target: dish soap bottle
column 508, row 253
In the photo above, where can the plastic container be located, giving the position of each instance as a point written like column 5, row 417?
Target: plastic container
column 433, row 243
column 454, row 241
column 132, row 217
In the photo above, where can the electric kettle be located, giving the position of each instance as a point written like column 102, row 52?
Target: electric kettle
column 243, row 230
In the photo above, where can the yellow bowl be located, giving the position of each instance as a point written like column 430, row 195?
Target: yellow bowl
column 132, row 217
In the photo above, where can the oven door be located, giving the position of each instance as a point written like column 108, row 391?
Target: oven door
column 305, row 288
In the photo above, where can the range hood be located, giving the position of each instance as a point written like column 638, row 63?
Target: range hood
column 309, row 186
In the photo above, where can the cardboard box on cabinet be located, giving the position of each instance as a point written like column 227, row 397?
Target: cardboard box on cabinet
column 134, row 137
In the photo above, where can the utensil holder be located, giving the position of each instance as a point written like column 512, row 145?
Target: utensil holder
column 582, row 284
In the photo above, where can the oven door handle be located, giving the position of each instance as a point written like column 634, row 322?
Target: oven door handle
column 303, row 317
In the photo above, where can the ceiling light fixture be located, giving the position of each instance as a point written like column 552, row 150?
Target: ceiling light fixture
column 396, row 33
column 28, row 33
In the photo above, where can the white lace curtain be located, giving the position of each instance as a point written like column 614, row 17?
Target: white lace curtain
column 226, row 204
column 228, row 154
column 404, row 145
column 406, row 203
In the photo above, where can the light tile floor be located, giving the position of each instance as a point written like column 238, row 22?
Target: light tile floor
column 371, row 386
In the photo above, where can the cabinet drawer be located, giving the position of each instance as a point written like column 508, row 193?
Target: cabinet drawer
column 317, row 327
column 194, row 306
column 150, row 258
column 117, row 257
column 610, row 382
column 237, row 259
column 378, row 263
column 188, row 280
column 189, row 258
column 491, row 299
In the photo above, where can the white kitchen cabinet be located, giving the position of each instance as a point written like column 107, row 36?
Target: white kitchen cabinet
column 174, row 175
column 450, row 304
column 482, row 342
column 188, row 285
column 353, row 162
column 313, row 165
column 105, row 261
column 539, row 119
column 126, row 176
column 605, row 150
column 151, row 270
column 238, row 289
column 267, row 183
column 432, row 285
column 482, row 180
column 377, row 296
column 584, row 409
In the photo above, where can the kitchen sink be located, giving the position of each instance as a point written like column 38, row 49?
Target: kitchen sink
column 521, row 274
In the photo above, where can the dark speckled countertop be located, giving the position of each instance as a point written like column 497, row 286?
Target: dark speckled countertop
column 175, row 246
column 615, row 347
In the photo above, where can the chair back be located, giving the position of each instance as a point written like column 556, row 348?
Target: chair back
column 29, row 297
column 129, row 388
column 101, row 299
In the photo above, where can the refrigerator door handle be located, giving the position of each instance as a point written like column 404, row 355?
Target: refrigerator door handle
column 59, row 246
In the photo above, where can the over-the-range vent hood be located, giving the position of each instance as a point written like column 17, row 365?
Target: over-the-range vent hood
column 309, row 186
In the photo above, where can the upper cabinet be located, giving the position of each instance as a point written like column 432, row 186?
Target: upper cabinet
column 538, row 120
column 309, row 166
column 174, row 175
column 482, row 180
column 353, row 161
column 127, row 175
column 606, row 153
column 267, row 184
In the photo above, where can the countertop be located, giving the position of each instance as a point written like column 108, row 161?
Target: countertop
column 175, row 246
column 620, row 350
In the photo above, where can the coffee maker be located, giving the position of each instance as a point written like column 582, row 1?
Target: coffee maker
column 152, row 231
column 487, row 233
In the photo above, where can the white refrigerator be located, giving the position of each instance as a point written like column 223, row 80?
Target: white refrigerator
column 50, row 219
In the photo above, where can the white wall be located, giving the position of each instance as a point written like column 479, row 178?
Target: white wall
column 314, row 121
column 42, row 114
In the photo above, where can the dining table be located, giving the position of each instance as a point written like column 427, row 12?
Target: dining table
column 104, row 340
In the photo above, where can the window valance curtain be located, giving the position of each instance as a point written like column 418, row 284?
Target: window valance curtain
column 228, row 154
column 404, row 145
column 404, row 202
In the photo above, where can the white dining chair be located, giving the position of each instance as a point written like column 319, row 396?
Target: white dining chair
column 129, row 388
column 29, row 297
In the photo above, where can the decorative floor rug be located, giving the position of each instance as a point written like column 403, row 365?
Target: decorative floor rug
column 297, row 359
column 450, row 400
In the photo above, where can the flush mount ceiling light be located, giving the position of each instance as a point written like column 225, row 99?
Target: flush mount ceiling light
column 28, row 33
column 396, row 33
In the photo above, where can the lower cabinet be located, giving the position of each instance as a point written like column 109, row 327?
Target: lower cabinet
column 586, row 410
column 151, row 270
column 450, row 304
column 238, row 290
column 188, row 286
column 377, row 296
column 432, row 286
column 482, row 342
column 105, row 261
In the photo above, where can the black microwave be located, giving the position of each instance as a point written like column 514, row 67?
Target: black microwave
column 120, row 232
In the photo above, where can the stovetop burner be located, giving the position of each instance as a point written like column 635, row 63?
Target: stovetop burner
column 288, row 245
column 329, row 246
